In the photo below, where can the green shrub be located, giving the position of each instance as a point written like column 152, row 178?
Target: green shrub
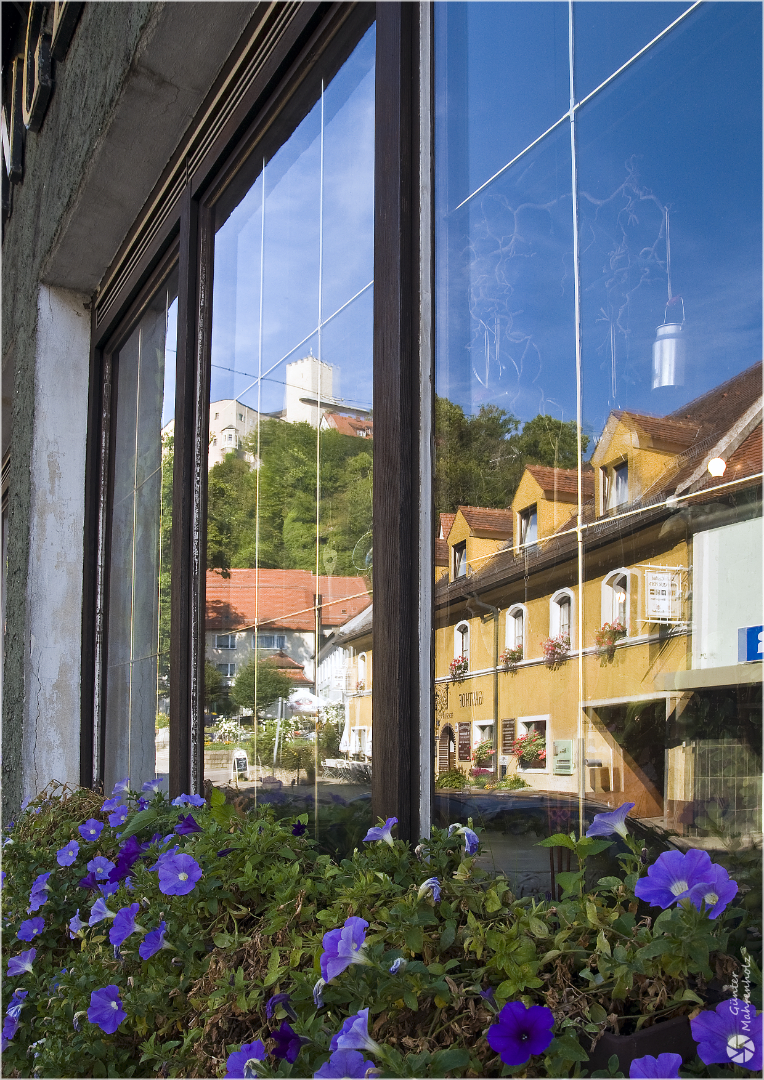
column 451, row 779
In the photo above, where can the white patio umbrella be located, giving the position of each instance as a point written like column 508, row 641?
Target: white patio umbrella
column 302, row 701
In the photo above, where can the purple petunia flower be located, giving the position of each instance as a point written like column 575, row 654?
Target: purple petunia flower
column 299, row 829
column 119, row 816
column 153, row 786
column 288, row 1043
column 273, row 1003
column 187, row 825
column 354, row 1034
column 520, row 1032
column 17, row 965
column 38, row 894
column 731, row 1034
column 346, row 1063
column 124, row 924
column 90, row 881
column 75, row 924
column 662, row 1067
column 489, row 998
column 153, row 942
column 112, row 804
column 615, row 821
column 29, row 928
column 99, row 911
column 432, row 885
column 193, row 800
column 242, row 1064
column 672, row 875
column 470, row 838
column 343, row 947
column 382, row 832
column 143, row 804
column 178, row 874
column 121, row 786
column 318, row 993
column 106, row 1009
column 397, row 965
column 108, row 888
column 100, row 866
column 717, row 892
column 91, row 829
column 225, row 851
column 66, row 855
column 13, row 1016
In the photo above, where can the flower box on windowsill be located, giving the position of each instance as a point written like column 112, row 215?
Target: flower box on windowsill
column 556, row 649
column 510, row 658
column 607, row 637
column 458, row 668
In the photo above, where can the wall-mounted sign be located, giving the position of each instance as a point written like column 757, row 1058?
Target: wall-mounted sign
column 750, row 644
column 465, row 742
column 507, row 736
column 663, row 590
column 474, row 697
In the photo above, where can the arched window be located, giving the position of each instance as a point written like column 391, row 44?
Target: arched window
column 362, row 677
column 616, row 598
column 561, row 615
column 462, row 641
column 515, row 629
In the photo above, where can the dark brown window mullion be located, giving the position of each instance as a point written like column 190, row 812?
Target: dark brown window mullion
column 181, row 594
column 395, row 692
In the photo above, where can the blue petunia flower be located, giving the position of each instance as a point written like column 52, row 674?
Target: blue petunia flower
column 178, row 874
column 106, row 1008
column 108, row 888
column 187, row 825
column 66, row 855
column 13, row 1016
column 343, row 947
column 29, row 928
column 154, row 785
column 124, row 924
column 397, row 965
column 193, row 800
column 348, row 1064
column 90, row 881
column 716, row 893
column 432, row 885
column 121, row 786
column 153, row 942
column 318, row 993
column 119, row 816
column 614, row 822
column 520, row 1032
column 731, row 1034
column 112, row 804
column 243, row 1063
column 38, row 894
column 100, row 866
column 299, row 828
column 288, row 1043
column 489, row 998
column 470, row 838
column 354, row 1035
column 382, row 832
column 662, row 1067
column 91, row 829
column 17, row 965
column 99, row 911
column 672, row 875
column 75, row 924
column 273, row 1003
column 129, row 853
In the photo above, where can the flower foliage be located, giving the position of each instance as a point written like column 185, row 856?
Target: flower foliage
column 607, row 637
column 458, row 668
column 555, row 649
column 510, row 658
column 530, row 748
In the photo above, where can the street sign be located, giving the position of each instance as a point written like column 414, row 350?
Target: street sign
column 750, row 644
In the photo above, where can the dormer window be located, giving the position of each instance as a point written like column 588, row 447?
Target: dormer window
column 460, row 559
column 528, row 523
column 620, row 484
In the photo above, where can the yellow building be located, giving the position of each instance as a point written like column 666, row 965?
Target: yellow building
column 590, row 632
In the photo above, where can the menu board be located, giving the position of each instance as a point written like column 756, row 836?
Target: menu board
column 465, row 742
column 507, row 736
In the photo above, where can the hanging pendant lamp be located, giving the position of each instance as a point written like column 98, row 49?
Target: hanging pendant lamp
column 670, row 345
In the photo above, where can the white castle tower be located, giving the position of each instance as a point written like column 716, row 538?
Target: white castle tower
column 308, row 382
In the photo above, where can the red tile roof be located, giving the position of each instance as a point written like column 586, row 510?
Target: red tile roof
column 441, row 552
column 446, row 521
column 289, row 666
column 746, row 461
column 281, row 599
column 564, row 481
column 676, row 432
column 351, row 425
column 496, row 522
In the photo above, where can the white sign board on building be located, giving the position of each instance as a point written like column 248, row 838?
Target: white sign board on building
column 663, row 595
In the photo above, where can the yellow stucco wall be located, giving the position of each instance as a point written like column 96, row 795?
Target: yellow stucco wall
column 550, row 516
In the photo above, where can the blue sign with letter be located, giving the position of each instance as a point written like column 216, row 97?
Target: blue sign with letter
column 750, row 643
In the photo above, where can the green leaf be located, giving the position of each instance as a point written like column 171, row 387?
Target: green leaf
column 538, row 928
column 609, row 882
column 414, row 938
column 596, row 1013
column 603, row 945
column 139, row 821
column 557, row 840
column 655, row 948
column 446, row 1060
column 223, row 940
column 570, row 880
column 217, row 798
column 567, row 1047
column 591, row 846
column 411, row 1001
column 448, row 935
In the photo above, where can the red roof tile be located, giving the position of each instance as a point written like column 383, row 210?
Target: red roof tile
column 746, row 461
column 446, row 521
column 496, row 522
column 564, row 481
column 351, row 425
column 676, row 432
column 281, row 599
column 441, row 553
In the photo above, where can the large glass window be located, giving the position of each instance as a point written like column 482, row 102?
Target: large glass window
column 598, row 365
column 137, row 685
column 289, row 520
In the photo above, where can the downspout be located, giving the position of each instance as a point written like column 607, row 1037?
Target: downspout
column 495, row 612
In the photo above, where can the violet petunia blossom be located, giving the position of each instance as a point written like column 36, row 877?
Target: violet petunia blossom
column 318, row 993
column 382, row 832
column 432, row 885
column 489, row 998
column 121, row 786
column 119, row 816
column 731, row 1034
column 178, row 874
column 354, row 1034
column 153, row 786
column 90, row 881
column 17, row 965
column 520, row 1032
column 662, row 1067
column 614, row 822
column 13, row 1016
column 470, row 838
column 108, row 888
column 153, row 942
column 672, row 875
column 29, row 928
column 75, row 924
column 187, row 825
column 66, row 855
column 91, row 829
column 225, row 851
column 124, row 924
column 288, row 1043
column 38, row 894
column 343, row 947
column 100, row 866
column 347, row 1064
column 717, row 892
column 106, row 1008
column 299, row 828
column 273, row 1003
column 99, row 911
column 193, row 800
column 397, row 965
column 112, row 804
column 129, row 853
column 242, row 1064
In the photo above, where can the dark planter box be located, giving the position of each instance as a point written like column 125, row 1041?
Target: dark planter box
column 667, row 1037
